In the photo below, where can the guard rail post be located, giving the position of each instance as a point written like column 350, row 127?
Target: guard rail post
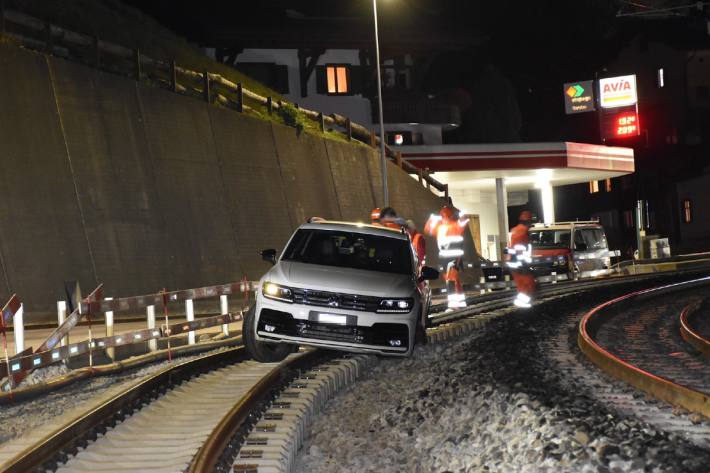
column 398, row 159
column 108, row 317
column 137, row 64
column 190, row 315
column 240, row 98
column 269, row 105
column 321, row 121
column 554, row 277
column 224, row 310
column 173, row 76
column 206, row 86
column 150, row 315
column 61, row 316
column 349, row 128
column 420, row 174
column 482, row 282
column 428, row 181
column 18, row 326
column 446, row 190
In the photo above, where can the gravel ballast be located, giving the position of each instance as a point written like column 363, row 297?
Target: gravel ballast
column 490, row 402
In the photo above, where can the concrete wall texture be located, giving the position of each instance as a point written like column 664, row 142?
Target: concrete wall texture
column 104, row 180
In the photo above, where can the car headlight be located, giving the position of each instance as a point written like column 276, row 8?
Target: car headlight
column 274, row 291
column 395, row 306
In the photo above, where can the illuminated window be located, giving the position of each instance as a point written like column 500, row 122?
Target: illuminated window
column 607, row 185
column 337, row 77
column 593, row 187
column 660, row 79
column 687, row 210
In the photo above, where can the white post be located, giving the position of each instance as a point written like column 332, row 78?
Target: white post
column 18, row 326
column 502, row 205
column 554, row 277
column 190, row 313
column 224, row 310
column 61, row 316
column 548, row 202
column 150, row 313
column 482, row 281
column 110, row 351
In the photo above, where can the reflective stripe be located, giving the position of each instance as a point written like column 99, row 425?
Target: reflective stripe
column 450, row 253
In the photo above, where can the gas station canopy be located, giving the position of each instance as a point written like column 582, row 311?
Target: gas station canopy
column 522, row 165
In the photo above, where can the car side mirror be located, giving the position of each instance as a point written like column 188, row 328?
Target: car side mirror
column 428, row 274
column 268, row 255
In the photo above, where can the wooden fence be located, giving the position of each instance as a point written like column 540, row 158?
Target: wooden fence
column 43, row 36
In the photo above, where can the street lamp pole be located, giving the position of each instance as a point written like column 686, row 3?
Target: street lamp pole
column 383, row 158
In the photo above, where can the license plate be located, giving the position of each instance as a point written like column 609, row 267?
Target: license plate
column 333, row 319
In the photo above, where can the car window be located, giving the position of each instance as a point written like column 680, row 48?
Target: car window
column 593, row 238
column 350, row 250
column 550, row 238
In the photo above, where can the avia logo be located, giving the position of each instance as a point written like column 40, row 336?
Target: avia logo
column 616, row 87
column 575, row 90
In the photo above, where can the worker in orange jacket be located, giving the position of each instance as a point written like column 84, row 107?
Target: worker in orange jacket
column 449, row 230
column 387, row 217
column 418, row 242
column 519, row 259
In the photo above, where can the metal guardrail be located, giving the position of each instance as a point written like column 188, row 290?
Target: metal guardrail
column 50, row 353
column 52, row 39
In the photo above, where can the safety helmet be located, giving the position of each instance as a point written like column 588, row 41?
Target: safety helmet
column 525, row 216
column 375, row 214
column 447, row 212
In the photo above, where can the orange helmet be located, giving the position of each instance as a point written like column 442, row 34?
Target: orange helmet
column 525, row 216
column 375, row 215
column 447, row 212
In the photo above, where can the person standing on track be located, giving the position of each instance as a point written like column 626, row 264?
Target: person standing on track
column 449, row 230
column 519, row 259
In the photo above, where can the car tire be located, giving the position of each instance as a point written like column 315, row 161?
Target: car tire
column 260, row 351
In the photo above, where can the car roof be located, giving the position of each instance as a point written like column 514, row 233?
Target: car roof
column 357, row 227
column 565, row 225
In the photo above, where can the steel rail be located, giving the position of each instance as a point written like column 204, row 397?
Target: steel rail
column 689, row 334
column 208, row 456
column 659, row 387
column 42, row 452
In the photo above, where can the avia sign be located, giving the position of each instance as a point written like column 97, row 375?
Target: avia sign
column 617, row 91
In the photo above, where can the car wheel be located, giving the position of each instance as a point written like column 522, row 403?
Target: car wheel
column 260, row 351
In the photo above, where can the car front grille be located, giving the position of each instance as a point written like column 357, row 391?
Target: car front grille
column 335, row 300
column 380, row 334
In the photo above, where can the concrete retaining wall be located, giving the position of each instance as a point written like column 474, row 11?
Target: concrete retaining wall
column 106, row 180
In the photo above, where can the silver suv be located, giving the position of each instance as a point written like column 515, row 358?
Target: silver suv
column 343, row 286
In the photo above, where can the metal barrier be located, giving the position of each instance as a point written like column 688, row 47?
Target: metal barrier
column 52, row 351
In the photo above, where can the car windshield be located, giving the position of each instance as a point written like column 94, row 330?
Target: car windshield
column 591, row 239
column 350, row 250
column 550, row 238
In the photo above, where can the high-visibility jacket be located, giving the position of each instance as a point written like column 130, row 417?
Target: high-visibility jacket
column 419, row 245
column 519, row 251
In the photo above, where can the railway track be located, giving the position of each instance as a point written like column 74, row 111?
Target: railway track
column 219, row 411
column 637, row 338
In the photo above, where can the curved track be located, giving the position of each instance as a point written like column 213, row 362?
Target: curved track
column 213, row 402
column 695, row 326
column 637, row 338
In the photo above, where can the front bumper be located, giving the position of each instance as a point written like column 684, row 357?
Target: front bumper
column 365, row 332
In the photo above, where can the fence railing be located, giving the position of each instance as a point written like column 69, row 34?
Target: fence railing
column 56, row 349
column 52, row 39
